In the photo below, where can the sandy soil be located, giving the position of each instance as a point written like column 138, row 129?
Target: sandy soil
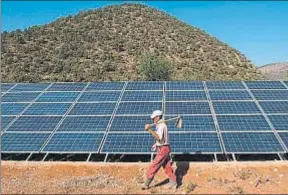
column 125, row 178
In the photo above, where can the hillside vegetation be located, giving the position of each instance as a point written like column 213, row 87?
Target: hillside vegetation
column 107, row 44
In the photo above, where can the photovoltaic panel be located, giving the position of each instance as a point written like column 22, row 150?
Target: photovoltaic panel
column 193, row 123
column 270, row 94
column 58, row 97
column 6, row 86
column 20, row 97
column 29, row 142
column 5, row 120
column 185, row 95
column 67, row 87
column 138, row 107
column 93, row 109
column 128, row 143
column 30, row 87
column 184, row 85
column 47, row 109
column 286, row 82
column 251, row 142
column 235, row 107
column 284, row 137
column 265, row 85
column 224, row 85
column 173, row 108
column 74, row 142
column 84, row 123
column 274, row 106
column 13, row 108
column 194, row 142
column 243, row 123
column 142, row 96
column 230, row 95
column 105, row 86
column 31, row 123
column 280, row 122
column 130, row 123
column 145, row 85
column 99, row 96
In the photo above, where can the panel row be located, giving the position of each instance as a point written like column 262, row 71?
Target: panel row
column 142, row 85
column 141, row 143
column 136, row 123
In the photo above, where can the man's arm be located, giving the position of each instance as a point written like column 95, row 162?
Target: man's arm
column 153, row 133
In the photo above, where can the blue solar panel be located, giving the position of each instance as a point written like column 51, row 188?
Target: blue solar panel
column 243, row 123
column 74, row 142
column 194, row 142
column 13, row 108
column 224, row 85
column 29, row 142
column 86, row 123
column 229, row 95
column 270, row 94
column 145, row 85
column 67, row 87
column 93, row 109
column 265, row 85
column 185, row 95
column 280, row 122
column 105, row 86
column 58, row 97
column 138, row 107
column 30, row 87
column 6, row 86
column 193, row 123
column 125, row 143
column 29, row 123
column 20, row 97
column 251, row 142
column 142, row 96
column 187, row 108
column 184, row 85
column 5, row 120
column 286, row 82
column 284, row 137
column 274, row 106
column 99, row 96
column 129, row 123
column 235, row 107
column 47, row 109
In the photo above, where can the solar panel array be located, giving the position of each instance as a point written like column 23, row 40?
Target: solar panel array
column 109, row 117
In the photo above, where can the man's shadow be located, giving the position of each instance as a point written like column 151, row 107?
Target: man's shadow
column 181, row 170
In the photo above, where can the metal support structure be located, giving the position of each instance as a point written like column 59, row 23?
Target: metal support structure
column 106, row 156
column 44, row 158
column 280, row 156
column 88, row 159
column 215, row 156
column 284, row 84
column 151, row 160
column 234, row 158
column 27, row 159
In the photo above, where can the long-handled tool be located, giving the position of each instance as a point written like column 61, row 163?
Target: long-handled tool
column 178, row 122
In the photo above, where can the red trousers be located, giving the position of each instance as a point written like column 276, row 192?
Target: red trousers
column 162, row 159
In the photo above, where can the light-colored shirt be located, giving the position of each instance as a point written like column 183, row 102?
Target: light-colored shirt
column 162, row 132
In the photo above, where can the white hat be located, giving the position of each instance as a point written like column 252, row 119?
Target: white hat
column 156, row 113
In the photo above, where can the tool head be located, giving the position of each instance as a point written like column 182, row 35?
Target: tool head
column 179, row 122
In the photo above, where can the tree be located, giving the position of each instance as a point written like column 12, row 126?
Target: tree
column 155, row 68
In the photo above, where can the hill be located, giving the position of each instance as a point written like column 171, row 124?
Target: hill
column 275, row 71
column 106, row 44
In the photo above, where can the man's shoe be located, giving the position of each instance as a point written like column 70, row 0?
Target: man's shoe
column 145, row 185
column 172, row 185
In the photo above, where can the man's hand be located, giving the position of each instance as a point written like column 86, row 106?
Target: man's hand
column 147, row 127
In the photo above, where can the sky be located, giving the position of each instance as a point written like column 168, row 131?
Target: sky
column 258, row 29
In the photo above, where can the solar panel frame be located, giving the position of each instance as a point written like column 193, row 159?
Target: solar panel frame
column 240, row 123
column 6, row 86
column 48, row 109
column 284, row 138
column 49, row 97
column 5, row 121
column 186, row 108
column 235, row 107
column 280, row 122
column 25, row 87
column 96, row 109
column 185, row 96
column 145, row 85
column 99, row 96
column 65, row 142
column 20, row 97
column 13, row 108
column 67, row 87
column 265, row 85
column 270, row 94
column 270, row 107
column 184, row 85
column 132, row 95
column 129, row 123
column 100, row 86
column 252, row 142
column 22, row 142
column 34, row 124
column 229, row 95
column 138, row 108
column 224, row 85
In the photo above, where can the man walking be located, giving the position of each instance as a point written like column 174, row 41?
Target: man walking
column 163, row 150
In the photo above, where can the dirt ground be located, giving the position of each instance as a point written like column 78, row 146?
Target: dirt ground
column 125, row 178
